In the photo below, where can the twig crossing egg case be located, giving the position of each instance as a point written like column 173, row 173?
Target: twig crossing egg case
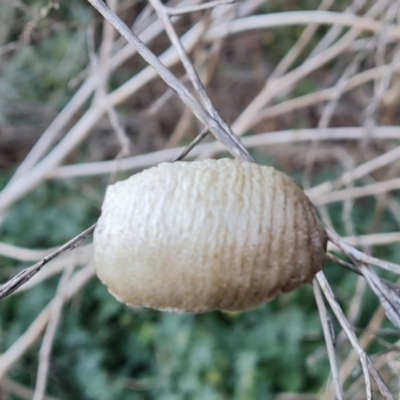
column 200, row 236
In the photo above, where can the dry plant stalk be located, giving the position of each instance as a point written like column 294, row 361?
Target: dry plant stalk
column 36, row 167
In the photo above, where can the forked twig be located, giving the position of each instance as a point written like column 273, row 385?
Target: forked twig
column 366, row 364
column 388, row 297
column 392, row 286
column 232, row 143
column 194, row 78
column 261, row 139
column 190, row 146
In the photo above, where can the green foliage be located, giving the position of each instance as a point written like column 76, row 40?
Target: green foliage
column 60, row 208
column 178, row 356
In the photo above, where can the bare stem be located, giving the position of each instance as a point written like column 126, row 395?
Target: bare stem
column 214, row 125
column 25, row 275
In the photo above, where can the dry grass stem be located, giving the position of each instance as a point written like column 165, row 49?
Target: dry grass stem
column 35, row 330
column 10, row 387
column 34, row 174
column 257, row 22
column 366, row 364
column 21, row 253
column 344, row 245
column 259, row 140
column 280, row 86
column 357, row 192
column 48, row 338
column 302, row 42
column 316, row 97
column 191, row 146
column 238, row 149
column 358, row 172
column 334, row 31
column 201, row 7
column 100, row 71
column 25, row 275
column 365, row 339
column 181, row 129
column 214, row 125
column 389, row 299
column 80, row 256
column 18, row 188
column 328, row 340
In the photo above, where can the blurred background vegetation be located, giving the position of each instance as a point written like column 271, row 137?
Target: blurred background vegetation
column 103, row 349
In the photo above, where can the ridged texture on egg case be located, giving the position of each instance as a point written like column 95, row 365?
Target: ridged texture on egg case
column 199, row 236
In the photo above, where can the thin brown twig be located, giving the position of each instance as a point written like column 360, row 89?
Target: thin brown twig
column 261, row 139
column 281, row 85
column 366, row 364
column 328, row 340
column 225, row 129
column 44, row 11
column 18, row 187
column 25, row 275
column 316, row 97
column 258, row 22
column 57, row 265
column 48, row 338
column 32, row 334
column 388, row 298
column 100, row 70
column 353, row 268
column 9, row 386
column 200, row 7
column 231, row 142
column 358, row 255
column 381, row 83
column 190, row 147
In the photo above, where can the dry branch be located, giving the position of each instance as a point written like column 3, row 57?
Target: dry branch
column 259, row 140
column 25, row 275
column 32, row 335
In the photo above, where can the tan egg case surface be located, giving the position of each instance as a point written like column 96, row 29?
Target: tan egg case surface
column 199, row 236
